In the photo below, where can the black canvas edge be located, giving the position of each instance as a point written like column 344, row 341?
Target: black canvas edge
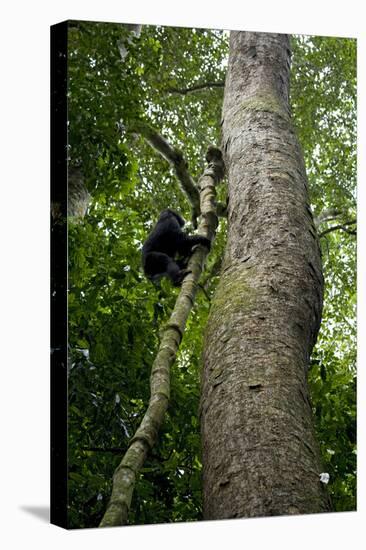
column 59, row 349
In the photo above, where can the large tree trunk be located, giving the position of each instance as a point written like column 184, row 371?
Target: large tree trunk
column 260, row 457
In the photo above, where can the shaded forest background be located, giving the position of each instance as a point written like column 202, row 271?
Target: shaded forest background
column 162, row 78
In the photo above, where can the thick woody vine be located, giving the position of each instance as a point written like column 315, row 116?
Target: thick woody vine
column 125, row 475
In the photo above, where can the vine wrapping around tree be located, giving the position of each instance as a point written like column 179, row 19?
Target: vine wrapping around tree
column 124, row 478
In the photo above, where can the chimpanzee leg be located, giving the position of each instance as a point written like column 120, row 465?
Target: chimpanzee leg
column 155, row 263
column 158, row 264
column 175, row 273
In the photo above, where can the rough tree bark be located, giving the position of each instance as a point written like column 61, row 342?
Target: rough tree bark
column 260, row 457
column 78, row 198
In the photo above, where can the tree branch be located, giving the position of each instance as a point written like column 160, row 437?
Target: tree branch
column 342, row 227
column 113, row 450
column 326, row 215
column 175, row 157
column 195, row 88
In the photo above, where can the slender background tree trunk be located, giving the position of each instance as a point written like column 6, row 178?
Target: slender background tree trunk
column 260, row 457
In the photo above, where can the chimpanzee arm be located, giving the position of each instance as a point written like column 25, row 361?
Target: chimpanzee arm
column 187, row 242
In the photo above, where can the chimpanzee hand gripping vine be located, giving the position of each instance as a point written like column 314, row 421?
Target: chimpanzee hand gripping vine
column 167, row 249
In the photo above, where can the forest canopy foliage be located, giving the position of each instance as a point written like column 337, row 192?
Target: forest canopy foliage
column 172, row 79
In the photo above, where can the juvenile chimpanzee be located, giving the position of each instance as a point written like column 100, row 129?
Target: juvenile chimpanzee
column 167, row 249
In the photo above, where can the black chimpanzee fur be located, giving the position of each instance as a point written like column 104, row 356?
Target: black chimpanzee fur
column 167, row 249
